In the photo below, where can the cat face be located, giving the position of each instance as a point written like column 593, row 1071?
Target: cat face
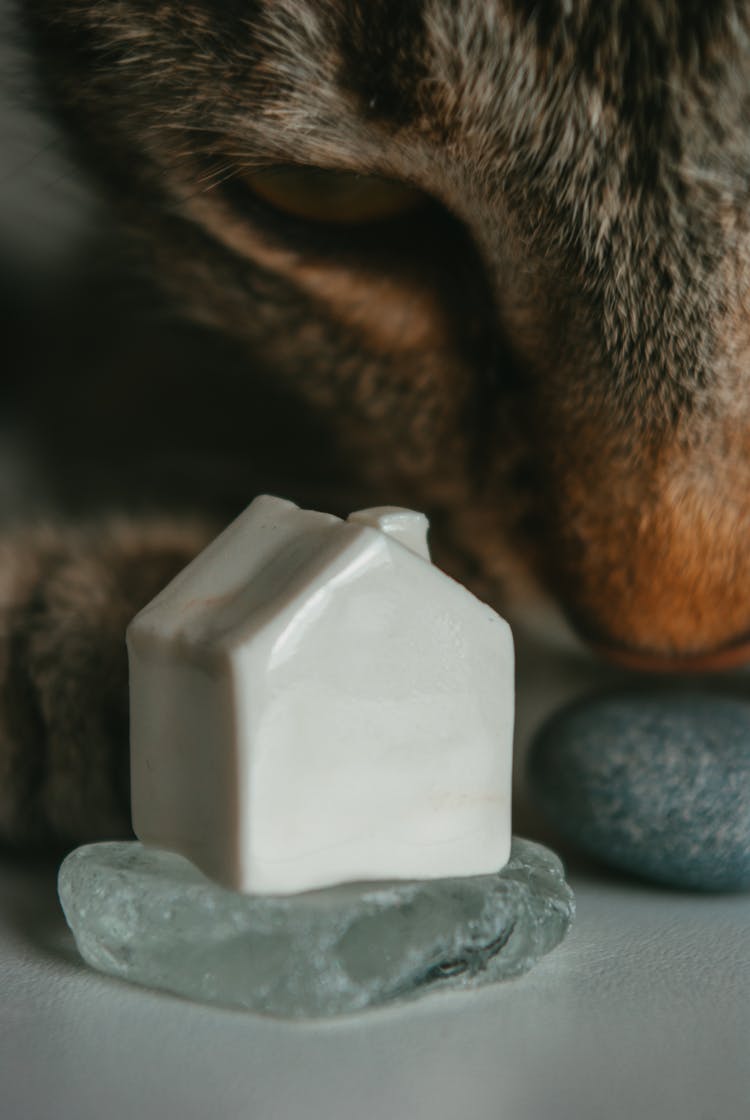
column 504, row 245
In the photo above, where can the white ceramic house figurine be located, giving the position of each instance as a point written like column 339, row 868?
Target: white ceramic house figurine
column 313, row 702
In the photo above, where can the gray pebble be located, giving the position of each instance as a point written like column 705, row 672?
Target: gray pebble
column 657, row 784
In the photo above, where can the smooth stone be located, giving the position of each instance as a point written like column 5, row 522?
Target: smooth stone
column 656, row 784
column 151, row 917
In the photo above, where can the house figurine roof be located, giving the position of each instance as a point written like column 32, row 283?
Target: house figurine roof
column 312, row 701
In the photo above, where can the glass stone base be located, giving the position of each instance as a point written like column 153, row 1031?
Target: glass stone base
column 151, row 917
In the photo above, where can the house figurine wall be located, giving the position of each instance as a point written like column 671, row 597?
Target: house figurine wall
column 314, row 702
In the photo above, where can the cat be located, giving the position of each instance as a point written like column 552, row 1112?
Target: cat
column 499, row 248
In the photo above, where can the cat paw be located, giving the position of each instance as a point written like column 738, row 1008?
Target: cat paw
column 66, row 597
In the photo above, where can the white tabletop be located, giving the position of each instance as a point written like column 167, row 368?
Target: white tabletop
column 644, row 1011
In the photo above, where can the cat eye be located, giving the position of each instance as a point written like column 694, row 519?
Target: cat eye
column 337, row 197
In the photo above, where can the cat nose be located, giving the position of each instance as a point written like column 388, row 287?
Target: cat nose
column 730, row 656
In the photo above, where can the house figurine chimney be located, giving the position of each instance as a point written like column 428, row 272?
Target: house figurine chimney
column 406, row 526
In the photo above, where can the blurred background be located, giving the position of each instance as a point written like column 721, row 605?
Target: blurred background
column 47, row 218
column 109, row 400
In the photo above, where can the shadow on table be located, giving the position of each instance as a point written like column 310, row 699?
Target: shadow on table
column 30, row 907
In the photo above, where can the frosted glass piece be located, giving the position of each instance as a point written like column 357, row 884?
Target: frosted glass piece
column 151, row 917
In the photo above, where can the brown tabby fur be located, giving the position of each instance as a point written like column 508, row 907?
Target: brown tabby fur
column 551, row 358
